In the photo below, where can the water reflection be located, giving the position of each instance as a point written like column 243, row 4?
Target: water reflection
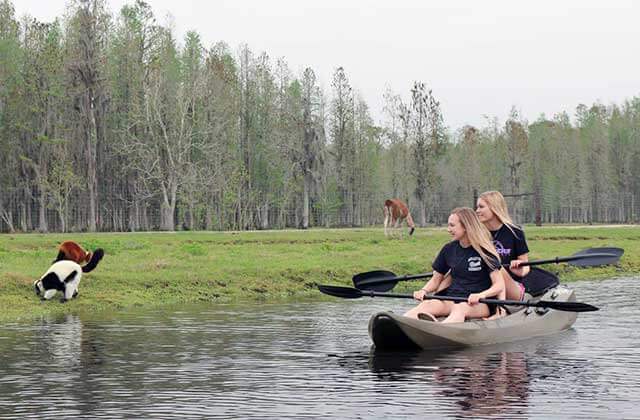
column 66, row 344
column 60, row 340
column 493, row 385
column 476, row 382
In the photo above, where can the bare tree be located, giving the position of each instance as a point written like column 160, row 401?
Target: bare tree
column 516, row 139
column 90, row 101
column 312, row 156
column 428, row 135
column 343, row 147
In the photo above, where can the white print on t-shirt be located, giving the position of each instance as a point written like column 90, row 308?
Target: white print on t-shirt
column 502, row 251
column 474, row 264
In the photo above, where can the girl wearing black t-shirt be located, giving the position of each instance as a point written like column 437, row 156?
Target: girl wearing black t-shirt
column 474, row 265
column 508, row 239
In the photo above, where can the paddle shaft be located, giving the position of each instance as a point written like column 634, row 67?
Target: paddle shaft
column 371, row 293
column 555, row 260
column 351, row 293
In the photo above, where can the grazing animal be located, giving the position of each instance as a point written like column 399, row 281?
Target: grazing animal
column 63, row 276
column 72, row 251
column 395, row 212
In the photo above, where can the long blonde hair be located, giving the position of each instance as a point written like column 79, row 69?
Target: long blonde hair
column 478, row 234
column 498, row 206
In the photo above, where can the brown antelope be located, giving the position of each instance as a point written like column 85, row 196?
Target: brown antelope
column 395, row 212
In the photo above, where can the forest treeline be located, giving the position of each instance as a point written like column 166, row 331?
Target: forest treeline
column 110, row 123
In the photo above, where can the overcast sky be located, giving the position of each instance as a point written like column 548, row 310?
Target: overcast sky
column 480, row 57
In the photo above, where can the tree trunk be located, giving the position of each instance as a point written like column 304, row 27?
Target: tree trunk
column 167, row 208
column 264, row 216
column 90, row 142
column 423, row 213
column 208, row 225
column 7, row 217
column 63, row 222
column 305, row 201
column 192, row 221
column 133, row 217
column 166, row 216
column 42, row 207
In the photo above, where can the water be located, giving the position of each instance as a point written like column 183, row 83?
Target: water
column 313, row 360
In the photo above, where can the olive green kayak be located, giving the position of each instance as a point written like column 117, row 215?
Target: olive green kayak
column 390, row 331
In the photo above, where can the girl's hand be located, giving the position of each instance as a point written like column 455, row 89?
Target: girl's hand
column 474, row 298
column 419, row 294
column 515, row 268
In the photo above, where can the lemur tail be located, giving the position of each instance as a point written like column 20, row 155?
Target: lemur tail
column 93, row 262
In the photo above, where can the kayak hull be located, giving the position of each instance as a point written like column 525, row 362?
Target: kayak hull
column 391, row 331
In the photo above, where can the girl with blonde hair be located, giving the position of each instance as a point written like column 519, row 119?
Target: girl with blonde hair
column 508, row 239
column 474, row 266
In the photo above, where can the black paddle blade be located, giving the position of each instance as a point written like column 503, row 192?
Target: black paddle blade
column 538, row 281
column 567, row 306
column 341, row 292
column 602, row 250
column 378, row 280
column 594, row 257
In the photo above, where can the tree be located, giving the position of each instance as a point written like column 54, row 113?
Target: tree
column 61, row 182
column 132, row 52
column 427, row 132
column 367, row 176
column 88, row 40
column 592, row 123
column 516, row 141
column 343, row 147
column 395, row 134
column 10, row 85
column 221, row 90
column 311, row 157
column 171, row 141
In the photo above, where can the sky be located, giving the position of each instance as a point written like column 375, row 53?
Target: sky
column 480, row 57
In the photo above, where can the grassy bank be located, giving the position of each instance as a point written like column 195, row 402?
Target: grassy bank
column 169, row 268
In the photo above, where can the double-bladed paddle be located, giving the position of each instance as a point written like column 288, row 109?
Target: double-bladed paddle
column 351, row 293
column 383, row 281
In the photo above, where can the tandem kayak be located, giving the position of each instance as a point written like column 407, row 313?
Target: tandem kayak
column 390, row 331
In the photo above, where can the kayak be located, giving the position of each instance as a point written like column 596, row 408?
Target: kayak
column 390, row 331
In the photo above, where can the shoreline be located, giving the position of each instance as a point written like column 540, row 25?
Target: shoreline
column 173, row 268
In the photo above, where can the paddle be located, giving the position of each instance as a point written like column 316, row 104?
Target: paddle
column 383, row 281
column 351, row 293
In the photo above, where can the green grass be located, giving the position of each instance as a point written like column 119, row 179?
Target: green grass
column 145, row 269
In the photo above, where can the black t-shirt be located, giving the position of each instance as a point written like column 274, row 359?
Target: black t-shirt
column 470, row 274
column 510, row 245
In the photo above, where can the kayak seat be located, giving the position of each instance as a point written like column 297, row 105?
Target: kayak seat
column 512, row 309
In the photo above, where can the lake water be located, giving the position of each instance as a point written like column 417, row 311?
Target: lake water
column 313, row 360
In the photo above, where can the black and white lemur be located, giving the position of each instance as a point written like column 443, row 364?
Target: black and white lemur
column 65, row 273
